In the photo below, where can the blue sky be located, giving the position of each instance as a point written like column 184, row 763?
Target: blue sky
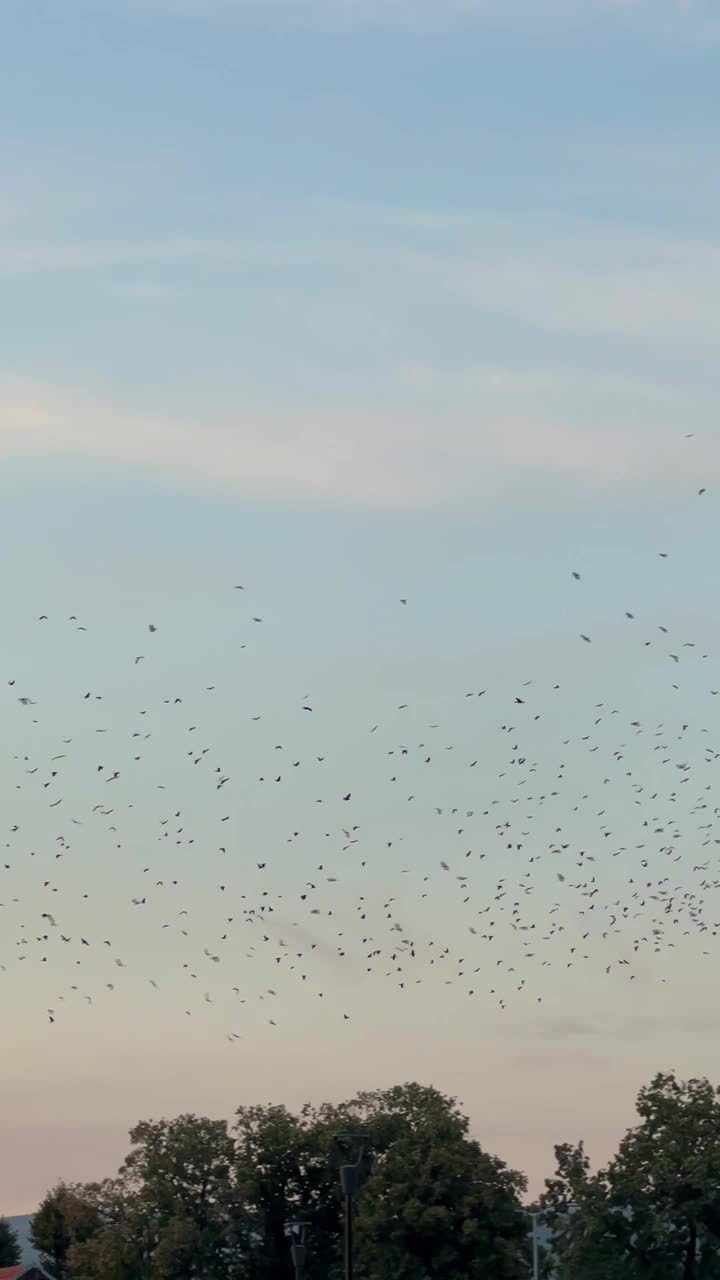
column 349, row 302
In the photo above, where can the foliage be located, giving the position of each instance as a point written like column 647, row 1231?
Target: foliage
column 284, row 1176
column 437, row 1206
column 654, row 1212
column 171, row 1214
column 195, row 1200
column 288, row 1168
column 122, row 1246
column 67, row 1216
column 9, row 1245
column 406, row 1110
column 181, row 1173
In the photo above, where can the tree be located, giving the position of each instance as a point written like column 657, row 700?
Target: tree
column 67, row 1216
column 403, row 1111
column 122, row 1247
column 182, row 1170
column 284, row 1174
column 172, row 1213
column 287, row 1168
column 9, row 1245
column 580, row 1240
column 194, row 1202
column 654, row 1212
column 436, row 1205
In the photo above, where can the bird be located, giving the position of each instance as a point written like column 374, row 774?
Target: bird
column 515, row 810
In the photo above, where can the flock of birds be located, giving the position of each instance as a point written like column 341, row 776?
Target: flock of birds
column 138, row 850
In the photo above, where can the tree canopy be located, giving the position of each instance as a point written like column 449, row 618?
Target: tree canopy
column 9, row 1245
column 436, row 1206
column 654, row 1212
column 197, row 1200
column 67, row 1216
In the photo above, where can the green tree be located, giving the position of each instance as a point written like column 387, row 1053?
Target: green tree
column 9, row 1246
column 285, row 1175
column 122, row 1248
column 68, row 1215
column 402, row 1111
column 581, row 1241
column 172, row 1213
column 288, row 1170
column 181, row 1174
column 654, row 1212
column 194, row 1202
column 437, row 1206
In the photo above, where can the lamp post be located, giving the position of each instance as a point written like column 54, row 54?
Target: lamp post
column 298, row 1247
column 535, row 1215
column 352, row 1174
column 534, row 1218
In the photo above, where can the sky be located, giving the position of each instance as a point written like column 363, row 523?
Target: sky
column 351, row 302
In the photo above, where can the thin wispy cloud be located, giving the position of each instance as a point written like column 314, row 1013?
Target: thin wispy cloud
column 562, row 1061
column 413, row 434
column 371, row 458
column 573, row 274
column 639, row 303
column 561, row 275
column 567, row 1028
column 24, row 258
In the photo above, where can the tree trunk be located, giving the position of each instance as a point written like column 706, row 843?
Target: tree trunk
column 690, row 1267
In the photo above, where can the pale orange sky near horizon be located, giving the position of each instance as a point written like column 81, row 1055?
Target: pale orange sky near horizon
column 522, row 1094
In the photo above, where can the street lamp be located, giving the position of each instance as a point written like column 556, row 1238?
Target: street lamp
column 352, row 1175
column 298, row 1247
column 535, row 1215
